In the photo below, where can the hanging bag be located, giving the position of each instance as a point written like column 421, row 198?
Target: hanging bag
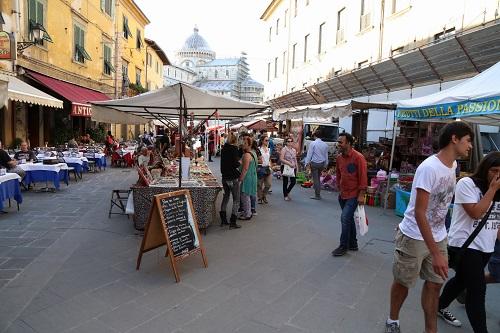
column 288, row 171
column 456, row 253
column 361, row 220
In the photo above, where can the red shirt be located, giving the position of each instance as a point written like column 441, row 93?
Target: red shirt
column 352, row 174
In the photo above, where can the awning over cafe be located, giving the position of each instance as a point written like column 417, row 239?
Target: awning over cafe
column 20, row 91
column 77, row 95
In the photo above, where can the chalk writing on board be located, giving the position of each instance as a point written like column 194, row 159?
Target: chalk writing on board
column 179, row 224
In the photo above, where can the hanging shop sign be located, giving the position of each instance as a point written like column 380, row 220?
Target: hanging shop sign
column 81, row 110
column 5, row 46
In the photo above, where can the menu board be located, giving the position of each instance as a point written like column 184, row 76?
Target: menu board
column 179, row 224
column 172, row 222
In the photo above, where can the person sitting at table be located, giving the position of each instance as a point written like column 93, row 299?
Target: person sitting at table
column 72, row 143
column 8, row 163
column 25, row 153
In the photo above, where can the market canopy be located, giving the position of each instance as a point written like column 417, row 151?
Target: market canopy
column 167, row 102
column 476, row 100
column 257, row 125
column 327, row 111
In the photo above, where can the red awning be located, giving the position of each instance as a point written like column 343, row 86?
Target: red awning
column 77, row 95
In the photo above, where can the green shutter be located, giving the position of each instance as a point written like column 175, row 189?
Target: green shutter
column 39, row 13
column 32, row 10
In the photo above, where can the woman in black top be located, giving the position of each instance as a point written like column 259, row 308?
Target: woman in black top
column 229, row 164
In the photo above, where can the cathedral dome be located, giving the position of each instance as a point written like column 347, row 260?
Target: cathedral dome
column 195, row 43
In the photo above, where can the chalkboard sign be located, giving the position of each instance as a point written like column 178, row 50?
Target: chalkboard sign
column 172, row 222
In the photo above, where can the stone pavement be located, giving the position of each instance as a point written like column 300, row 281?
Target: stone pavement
column 66, row 267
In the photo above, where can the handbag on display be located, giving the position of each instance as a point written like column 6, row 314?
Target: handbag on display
column 456, row 253
column 288, row 171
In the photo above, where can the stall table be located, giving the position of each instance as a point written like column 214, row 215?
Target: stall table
column 10, row 189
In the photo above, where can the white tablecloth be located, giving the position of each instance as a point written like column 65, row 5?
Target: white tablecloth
column 78, row 160
column 43, row 167
column 9, row 176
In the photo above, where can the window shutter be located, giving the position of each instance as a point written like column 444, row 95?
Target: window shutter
column 103, row 5
column 39, row 13
column 32, row 10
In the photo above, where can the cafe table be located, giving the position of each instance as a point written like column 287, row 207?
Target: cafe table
column 39, row 172
column 10, row 189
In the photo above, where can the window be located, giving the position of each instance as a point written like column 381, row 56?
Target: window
column 277, row 26
column 216, row 74
column 125, row 71
column 285, row 19
column 397, row 51
column 270, row 32
column 126, row 29
column 36, row 17
column 138, row 76
column 107, row 7
column 268, row 72
column 276, row 67
column 444, row 34
column 80, row 54
column 362, row 63
column 294, row 49
column 138, row 41
column 340, row 25
column 284, row 61
column 307, row 2
column 149, row 59
column 227, row 72
column 306, row 39
column 107, row 63
column 399, row 5
column 365, row 19
column 295, row 6
column 320, row 37
column 157, row 67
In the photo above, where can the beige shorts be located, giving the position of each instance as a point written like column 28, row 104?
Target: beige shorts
column 412, row 259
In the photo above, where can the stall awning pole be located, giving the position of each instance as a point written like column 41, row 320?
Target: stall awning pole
column 394, row 127
column 180, row 137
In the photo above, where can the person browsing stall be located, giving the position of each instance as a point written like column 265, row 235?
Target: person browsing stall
column 352, row 179
column 317, row 159
column 420, row 241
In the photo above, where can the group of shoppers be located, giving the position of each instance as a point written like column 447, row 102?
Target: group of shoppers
column 422, row 239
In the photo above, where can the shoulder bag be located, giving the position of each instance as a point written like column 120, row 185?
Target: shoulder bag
column 456, row 253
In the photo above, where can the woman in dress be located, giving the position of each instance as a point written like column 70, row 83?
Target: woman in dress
column 473, row 197
column 288, row 156
column 264, row 172
column 248, row 178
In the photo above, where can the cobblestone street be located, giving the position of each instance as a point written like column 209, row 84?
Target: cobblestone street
column 64, row 266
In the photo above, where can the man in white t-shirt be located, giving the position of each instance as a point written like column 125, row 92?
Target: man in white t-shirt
column 421, row 236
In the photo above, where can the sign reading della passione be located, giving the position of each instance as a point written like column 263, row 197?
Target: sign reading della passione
column 5, row 46
column 81, row 110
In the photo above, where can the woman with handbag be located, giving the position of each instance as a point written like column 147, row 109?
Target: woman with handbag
column 475, row 197
column 288, row 158
column 264, row 170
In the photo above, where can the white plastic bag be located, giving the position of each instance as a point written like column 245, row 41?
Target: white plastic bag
column 361, row 220
column 288, row 171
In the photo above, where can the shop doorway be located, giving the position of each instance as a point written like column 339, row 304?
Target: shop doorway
column 359, row 126
column 34, row 125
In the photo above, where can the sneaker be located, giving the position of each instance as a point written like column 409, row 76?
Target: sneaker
column 315, row 198
column 392, row 328
column 254, row 213
column 353, row 248
column 339, row 252
column 449, row 317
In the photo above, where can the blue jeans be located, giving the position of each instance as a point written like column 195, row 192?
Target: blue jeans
column 348, row 235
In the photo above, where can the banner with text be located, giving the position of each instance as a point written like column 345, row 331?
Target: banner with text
column 81, row 110
column 478, row 107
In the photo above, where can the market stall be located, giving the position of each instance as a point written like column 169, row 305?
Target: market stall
column 186, row 103
column 476, row 100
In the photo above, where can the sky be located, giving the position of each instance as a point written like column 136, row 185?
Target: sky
column 229, row 27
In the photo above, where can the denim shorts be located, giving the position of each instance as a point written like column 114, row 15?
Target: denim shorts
column 494, row 269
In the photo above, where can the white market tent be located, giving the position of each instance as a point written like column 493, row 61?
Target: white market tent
column 326, row 111
column 476, row 100
column 179, row 101
column 171, row 102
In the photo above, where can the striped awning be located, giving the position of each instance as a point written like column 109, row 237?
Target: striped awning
column 20, row 91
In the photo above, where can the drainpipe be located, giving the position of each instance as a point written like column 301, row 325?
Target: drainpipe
column 118, row 68
column 381, row 34
column 16, row 24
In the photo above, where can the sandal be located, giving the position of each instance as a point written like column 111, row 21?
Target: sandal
column 261, row 201
column 265, row 200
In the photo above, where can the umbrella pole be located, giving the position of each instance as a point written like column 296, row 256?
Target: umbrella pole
column 395, row 125
column 180, row 137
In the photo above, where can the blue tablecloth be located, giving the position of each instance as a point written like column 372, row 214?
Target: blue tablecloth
column 46, row 176
column 10, row 189
column 80, row 168
column 99, row 162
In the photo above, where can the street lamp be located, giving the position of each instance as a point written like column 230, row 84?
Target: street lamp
column 37, row 32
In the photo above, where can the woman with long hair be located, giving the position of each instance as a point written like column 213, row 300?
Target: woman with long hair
column 248, row 178
column 473, row 197
column 229, row 167
column 264, row 170
column 288, row 156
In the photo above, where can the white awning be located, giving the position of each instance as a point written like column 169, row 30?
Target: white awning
column 20, row 91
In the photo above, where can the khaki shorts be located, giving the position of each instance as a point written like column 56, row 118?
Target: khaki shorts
column 412, row 259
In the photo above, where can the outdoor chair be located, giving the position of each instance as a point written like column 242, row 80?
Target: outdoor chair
column 72, row 169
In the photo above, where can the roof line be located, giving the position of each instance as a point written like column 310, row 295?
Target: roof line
column 269, row 10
